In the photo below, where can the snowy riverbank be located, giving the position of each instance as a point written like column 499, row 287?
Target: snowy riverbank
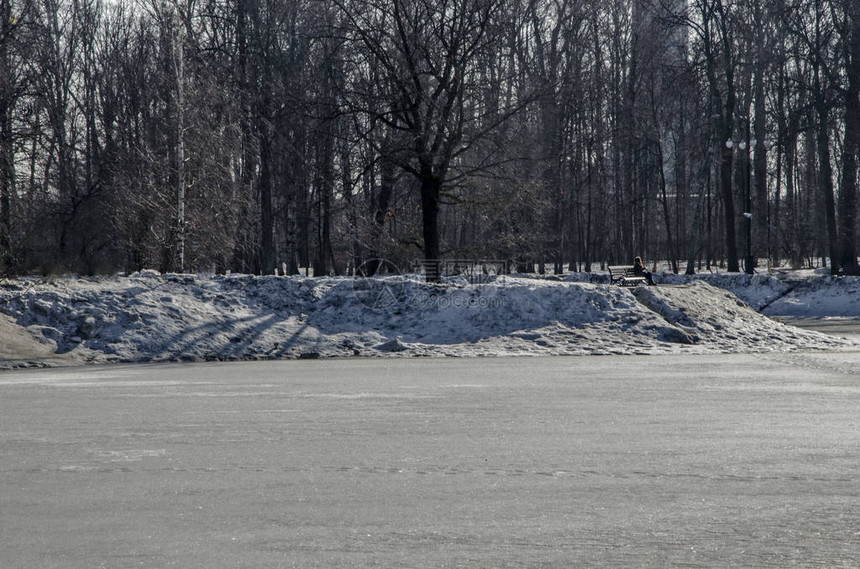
column 152, row 317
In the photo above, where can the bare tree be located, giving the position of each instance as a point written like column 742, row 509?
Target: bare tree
column 12, row 21
column 851, row 137
column 252, row 134
column 813, row 25
column 426, row 51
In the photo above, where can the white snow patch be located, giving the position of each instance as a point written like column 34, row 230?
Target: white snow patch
column 151, row 317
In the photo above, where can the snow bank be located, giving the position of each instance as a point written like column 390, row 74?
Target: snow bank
column 756, row 290
column 803, row 294
column 826, row 296
column 723, row 321
column 153, row 317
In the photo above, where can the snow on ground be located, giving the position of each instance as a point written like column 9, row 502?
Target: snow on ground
column 821, row 297
column 756, row 290
column 151, row 317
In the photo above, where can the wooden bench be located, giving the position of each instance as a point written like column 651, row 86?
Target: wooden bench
column 625, row 276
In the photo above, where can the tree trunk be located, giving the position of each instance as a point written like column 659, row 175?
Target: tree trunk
column 791, row 195
column 761, row 217
column 345, row 166
column 382, row 201
column 7, row 164
column 430, row 188
column 665, row 201
column 825, row 180
column 724, row 116
column 179, row 67
column 696, row 239
column 267, row 218
column 848, row 192
column 324, row 259
column 775, row 223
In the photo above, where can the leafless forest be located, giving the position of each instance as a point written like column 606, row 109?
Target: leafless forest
column 272, row 135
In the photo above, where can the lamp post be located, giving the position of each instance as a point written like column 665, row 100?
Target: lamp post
column 744, row 148
column 749, row 262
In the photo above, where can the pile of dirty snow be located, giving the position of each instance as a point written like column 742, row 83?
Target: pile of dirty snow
column 153, row 317
column 759, row 290
column 801, row 294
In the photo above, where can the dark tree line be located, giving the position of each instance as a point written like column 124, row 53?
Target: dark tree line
column 273, row 135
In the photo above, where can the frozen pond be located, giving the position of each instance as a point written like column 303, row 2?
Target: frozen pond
column 661, row 461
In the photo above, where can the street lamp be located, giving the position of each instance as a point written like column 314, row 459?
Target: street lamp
column 746, row 148
column 749, row 263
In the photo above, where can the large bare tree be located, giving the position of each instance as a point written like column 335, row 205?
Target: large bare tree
column 426, row 51
column 13, row 16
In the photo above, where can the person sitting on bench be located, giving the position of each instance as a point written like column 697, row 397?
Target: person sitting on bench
column 641, row 271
